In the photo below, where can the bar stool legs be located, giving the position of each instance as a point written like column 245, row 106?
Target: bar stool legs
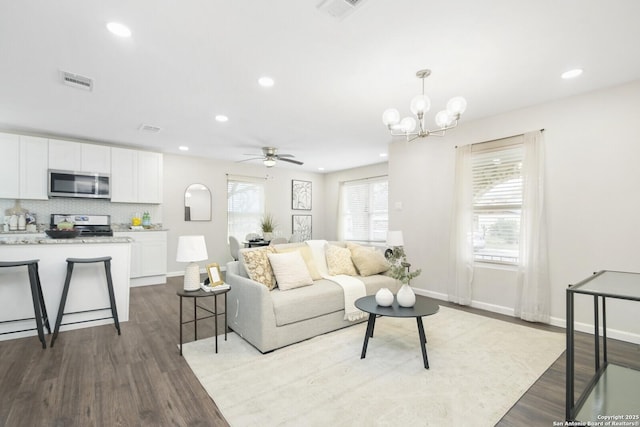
column 39, row 308
column 65, row 291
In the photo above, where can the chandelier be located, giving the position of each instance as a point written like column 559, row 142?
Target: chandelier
column 420, row 104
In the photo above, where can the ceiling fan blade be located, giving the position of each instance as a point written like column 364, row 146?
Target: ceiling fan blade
column 247, row 160
column 285, row 155
column 297, row 162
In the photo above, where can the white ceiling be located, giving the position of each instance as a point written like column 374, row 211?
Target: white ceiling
column 187, row 61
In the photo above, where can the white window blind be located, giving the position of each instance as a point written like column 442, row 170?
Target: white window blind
column 245, row 206
column 364, row 210
column 497, row 200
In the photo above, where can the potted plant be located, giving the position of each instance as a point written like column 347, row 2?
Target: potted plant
column 267, row 224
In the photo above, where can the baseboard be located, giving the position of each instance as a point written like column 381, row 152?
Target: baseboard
column 147, row 281
column 554, row 321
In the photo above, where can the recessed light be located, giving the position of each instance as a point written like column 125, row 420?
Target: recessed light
column 571, row 73
column 222, row 118
column 320, row 169
column 119, row 29
column 383, row 154
column 183, row 148
column 266, row 81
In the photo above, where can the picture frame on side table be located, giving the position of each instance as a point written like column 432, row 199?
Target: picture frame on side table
column 301, row 195
column 301, row 225
column 215, row 277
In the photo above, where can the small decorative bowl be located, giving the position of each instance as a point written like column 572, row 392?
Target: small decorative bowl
column 63, row 234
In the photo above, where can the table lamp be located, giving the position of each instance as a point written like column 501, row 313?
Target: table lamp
column 191, row 249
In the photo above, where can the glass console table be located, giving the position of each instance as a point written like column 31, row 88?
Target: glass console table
column 613, row 390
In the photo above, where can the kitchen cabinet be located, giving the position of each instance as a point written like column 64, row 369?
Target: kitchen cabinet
column 136, row 176
column 77, row 156
column 23, row 167
column 148, row 257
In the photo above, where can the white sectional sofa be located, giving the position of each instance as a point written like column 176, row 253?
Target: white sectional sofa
column 271, row 319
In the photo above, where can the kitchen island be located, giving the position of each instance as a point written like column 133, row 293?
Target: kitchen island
column 88, row 288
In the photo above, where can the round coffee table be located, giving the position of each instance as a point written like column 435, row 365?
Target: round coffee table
column 423, row 307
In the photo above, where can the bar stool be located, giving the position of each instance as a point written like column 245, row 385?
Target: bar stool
column 112, row 300
column 39, row 309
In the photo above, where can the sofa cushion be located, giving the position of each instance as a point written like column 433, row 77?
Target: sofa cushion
column 290, row 270
column 307, row 256
column 258, row 266
column 339, row 261
column 368, row 260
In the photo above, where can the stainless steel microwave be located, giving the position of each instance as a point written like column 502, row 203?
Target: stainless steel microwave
column 78, row 184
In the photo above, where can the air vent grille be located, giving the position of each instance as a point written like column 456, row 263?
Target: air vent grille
column 339, row 8
column 149, row 128
column 77, row 81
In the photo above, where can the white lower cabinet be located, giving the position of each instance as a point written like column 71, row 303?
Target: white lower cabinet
column 148, row 257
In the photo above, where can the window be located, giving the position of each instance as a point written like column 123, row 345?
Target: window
column 364, row 213
column 245, row 207
column 497, row 200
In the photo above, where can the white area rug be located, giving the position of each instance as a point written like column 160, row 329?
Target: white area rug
column 479, row 368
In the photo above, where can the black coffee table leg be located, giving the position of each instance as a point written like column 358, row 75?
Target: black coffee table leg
column 367, row 334
column 423, row 342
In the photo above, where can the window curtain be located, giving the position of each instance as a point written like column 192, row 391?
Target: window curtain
column 533, row 287
column 461, row 244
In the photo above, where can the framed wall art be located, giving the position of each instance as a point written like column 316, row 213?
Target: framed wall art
column 301, row 225
column 300, row 195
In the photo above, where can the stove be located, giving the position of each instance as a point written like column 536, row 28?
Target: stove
column 88, row 225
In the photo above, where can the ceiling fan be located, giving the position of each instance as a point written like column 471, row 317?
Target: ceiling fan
column 270, row 155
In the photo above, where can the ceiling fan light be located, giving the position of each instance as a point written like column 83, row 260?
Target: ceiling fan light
column 420, row 104
column 444, row 118
column 269, row 163
column 457, row 105
column 391, row 117
column 408, row 124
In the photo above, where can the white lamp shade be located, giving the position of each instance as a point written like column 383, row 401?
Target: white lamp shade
column 444, row 119
column 191, row 249
column 457, row 105
column 391, row 117
column 269, row 163
column 408, row 124
column 394, row 238
column 420, row 104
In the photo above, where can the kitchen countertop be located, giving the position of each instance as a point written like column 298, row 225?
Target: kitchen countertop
column 50, row 241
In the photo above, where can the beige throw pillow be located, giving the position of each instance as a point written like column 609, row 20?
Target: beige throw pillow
column 368, row 260
column 290, row 270
column 339, row 261
column 307, row 256
column 258, row 266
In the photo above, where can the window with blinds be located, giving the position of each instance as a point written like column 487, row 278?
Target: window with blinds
column 364, row 210
column 497, row 200
column 245, row 207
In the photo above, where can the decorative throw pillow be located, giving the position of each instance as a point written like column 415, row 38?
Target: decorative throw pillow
column 258, row 267
column 290, row 270
column 368, row 260
column 307, row 256
column 339, row 261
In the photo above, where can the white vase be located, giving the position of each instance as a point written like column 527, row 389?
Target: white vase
column 406, row 297
column 384, row 297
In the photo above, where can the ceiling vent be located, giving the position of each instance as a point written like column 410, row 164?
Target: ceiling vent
column 149, row 128
column 339, row 9
column 77, row 81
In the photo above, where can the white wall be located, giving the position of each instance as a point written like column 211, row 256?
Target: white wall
column 592, row 174
column 332, row 183
column 181, row 171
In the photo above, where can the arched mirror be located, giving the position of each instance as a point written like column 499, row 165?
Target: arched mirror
column 197, row 203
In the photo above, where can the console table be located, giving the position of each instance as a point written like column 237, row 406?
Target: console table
column 613, row 390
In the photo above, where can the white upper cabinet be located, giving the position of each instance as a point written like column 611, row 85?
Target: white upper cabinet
column 77, row 156
column 136, row 176
column 23, row 167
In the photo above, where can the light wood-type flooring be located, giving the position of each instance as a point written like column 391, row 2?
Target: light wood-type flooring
column 93, row 377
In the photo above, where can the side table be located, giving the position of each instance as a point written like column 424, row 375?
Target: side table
column 213, row 313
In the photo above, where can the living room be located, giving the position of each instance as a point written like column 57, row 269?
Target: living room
column 590, row 139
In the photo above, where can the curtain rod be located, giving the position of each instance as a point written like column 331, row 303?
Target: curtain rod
column 364, row 179
column 500, row 139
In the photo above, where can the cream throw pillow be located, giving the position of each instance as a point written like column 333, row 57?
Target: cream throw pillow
column 307, row 256
column 339, row 261
column 290, row 270
column 368, row 260
column 258, row 266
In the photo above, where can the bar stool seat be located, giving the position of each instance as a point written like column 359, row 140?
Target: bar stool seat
column 65, row 291
column 39, row 308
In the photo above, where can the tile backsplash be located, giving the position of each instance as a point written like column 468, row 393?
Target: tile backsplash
column 121, row 213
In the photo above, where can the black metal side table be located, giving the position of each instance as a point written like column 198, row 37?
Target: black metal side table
column 212, row 313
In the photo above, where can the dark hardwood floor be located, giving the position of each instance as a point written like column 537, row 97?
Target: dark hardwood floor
column 93, row 377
